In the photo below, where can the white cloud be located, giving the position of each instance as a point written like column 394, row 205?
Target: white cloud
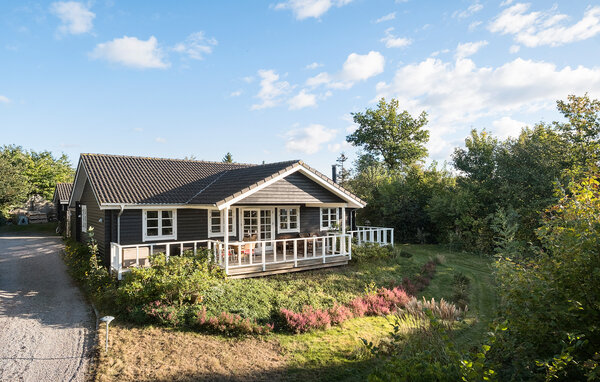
column 458, row 94
column 76, row 18
column 514, row 49
column 196, row 46
column 4, row 99
column 132, row 52
column 362, row 67
column 356, row 68
column 138, row 129
column 474, row 25
column 303, row 9
column 438, row 52
column 309, row 140
column 507, row 127
column 236, row 93
column 339, row 146
column 505, row 3
column 534, row 29
column 388, row 17
column 160, row 140
column 302, row 100
column 473, row 8
column 314, row 65
column 392, row 41
column 271, row 89
column 469, row 48
column 248, row 79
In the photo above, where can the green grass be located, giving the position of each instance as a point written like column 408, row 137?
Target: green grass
column 338, row 353
column 47, row 228
column 259, row 298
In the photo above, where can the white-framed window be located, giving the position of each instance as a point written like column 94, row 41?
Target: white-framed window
column 330, row 218
column 84, row 226
column 288, row 219
column 159, row 225
column 216, row 221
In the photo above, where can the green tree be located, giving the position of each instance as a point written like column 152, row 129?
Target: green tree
column 582, row 130
column 41, row 169
column 228, row 158
column 14, row 187
column 395, row 136
column 344, row 173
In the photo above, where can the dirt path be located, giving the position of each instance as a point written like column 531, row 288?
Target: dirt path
column 46, row 328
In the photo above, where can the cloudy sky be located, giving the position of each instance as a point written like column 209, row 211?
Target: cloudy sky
column 277, row 80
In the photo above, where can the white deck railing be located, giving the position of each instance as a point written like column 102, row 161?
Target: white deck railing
column 240, row 254
column 376, row 235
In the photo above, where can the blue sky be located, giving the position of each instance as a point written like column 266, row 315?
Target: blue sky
column 277, row 80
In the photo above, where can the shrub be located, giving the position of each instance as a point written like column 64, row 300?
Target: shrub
column 443, row 310
column 229, row 324
column 308, row 319
column 164, row 314
column 181, row 280
column 371, row 251
column 460, row 289
column 339, row 314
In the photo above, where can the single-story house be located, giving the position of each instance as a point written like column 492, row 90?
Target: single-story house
column 62, row 194
column 254, row 219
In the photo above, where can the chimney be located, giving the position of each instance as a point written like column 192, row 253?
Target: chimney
column 334, row 173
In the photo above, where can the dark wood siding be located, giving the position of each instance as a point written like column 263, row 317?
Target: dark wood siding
column 191, row 225
column 310, row 219
column 294, row 189
column 95, row 218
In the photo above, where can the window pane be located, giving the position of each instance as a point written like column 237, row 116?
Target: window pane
column 215, row 214
column 293, row 212
column 293, row 225
column 152, row 223
column 167, row 231
column 167, row 222
column 215, row 228
column 152, row 214
column 167, row 214
column 152, row 232
column 282, row 212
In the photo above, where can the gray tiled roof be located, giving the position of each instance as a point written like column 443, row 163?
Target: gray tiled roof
column 139, row 180
column 62, row 193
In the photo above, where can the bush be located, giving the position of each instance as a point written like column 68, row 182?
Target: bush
column 308, row 319
column 181, row 280
column 229, row 324
column 371, row 251
column 460, row 289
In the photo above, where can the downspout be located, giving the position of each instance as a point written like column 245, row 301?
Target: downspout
column 119, row 223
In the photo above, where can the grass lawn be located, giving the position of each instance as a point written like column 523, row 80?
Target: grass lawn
column 47, row 228
column 151, row 353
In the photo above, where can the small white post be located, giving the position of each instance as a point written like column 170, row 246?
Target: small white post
column 342, row 239
column 195, row 248
column 226, row 233
column 295, row 253
column 324, row 242
column 264, row 265
column 239, row 247
column 392, row 236
column 181, row 249
column 168, row 251
column 350, row 248
column 284, row 249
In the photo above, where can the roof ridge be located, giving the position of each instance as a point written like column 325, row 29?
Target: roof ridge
column 169, row 159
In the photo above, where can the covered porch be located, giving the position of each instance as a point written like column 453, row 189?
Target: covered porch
column 241, row 259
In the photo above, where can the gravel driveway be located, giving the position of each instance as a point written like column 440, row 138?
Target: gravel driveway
column 46, row 328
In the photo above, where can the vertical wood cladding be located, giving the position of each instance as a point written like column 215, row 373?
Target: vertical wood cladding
column 95, row 218
column 295, row 188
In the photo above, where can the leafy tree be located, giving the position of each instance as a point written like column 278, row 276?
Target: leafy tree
column 14, row 187
column 41, row 169
column 582, row 130
column 552, row 302
column 228, row 158
column 395, row 136
column 344, row 173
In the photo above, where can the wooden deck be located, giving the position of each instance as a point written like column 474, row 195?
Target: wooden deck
column 256, row 270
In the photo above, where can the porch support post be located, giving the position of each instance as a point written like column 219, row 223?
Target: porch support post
column 226, row 237
column 343, row 240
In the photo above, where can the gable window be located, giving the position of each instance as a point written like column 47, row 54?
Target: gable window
column 289, row 219
column 329, row 218
column 216, row 223
column 160, row 225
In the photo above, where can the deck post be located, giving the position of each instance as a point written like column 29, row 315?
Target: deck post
column 350, row 248
column 168, row 251
column 392, row 237
column 264, row 265
column 195, row 248
column 324, row 242
column 343, row 239
column 295, row 253
column 239, row 254
column 226, row 238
